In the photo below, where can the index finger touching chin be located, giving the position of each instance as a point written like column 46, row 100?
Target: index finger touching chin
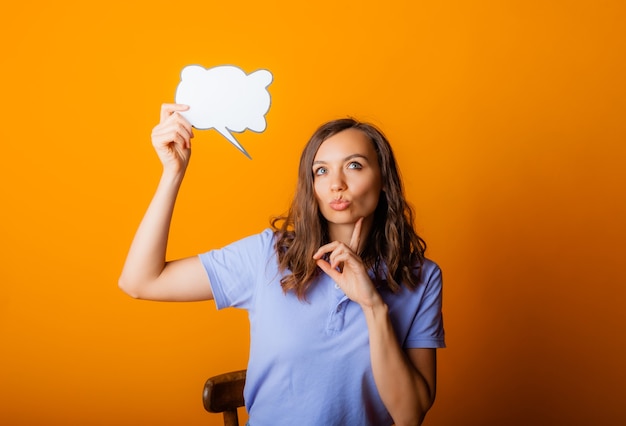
column 355, row 240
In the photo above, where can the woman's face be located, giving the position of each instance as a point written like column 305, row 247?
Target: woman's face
column 346, row 180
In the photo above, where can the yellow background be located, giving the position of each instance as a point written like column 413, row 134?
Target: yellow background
column 508, row 121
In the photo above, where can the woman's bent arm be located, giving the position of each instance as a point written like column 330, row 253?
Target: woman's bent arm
column 146, row 274
column 406, row 381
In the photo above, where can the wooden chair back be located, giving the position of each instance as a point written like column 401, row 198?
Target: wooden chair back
column 224, row 394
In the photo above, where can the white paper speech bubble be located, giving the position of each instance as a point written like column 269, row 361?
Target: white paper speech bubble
column 226, row 99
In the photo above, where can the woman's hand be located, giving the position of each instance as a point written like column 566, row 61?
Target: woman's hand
column 171, row 138
column 346, row 268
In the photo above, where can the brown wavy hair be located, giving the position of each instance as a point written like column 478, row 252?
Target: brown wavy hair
column 393, row 250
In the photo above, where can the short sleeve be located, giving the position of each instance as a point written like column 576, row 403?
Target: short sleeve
column 427, row 328
column 234, row 269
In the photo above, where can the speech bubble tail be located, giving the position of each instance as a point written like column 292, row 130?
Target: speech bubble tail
column 226, row 133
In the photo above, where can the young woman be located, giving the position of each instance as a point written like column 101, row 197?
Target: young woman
column 345, row 310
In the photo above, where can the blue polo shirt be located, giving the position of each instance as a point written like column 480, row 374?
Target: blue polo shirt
column 309, row 361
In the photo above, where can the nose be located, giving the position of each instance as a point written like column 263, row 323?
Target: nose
column 337, row 182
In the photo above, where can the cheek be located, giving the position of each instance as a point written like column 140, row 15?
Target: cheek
column 374, row 199
column 316, row 192
column 369, row 190
column 319, row 198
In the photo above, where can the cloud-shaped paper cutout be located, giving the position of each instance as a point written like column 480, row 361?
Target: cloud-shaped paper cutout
column 226, row 99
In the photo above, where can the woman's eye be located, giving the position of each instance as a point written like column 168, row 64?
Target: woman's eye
column 320, row 171
column 355, row 165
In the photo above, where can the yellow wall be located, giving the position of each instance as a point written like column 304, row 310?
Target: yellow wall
column 508, row 121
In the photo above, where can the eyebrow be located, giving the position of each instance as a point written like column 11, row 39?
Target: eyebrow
column 349, row 157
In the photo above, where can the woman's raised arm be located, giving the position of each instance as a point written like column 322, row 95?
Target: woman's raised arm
column 146, row 273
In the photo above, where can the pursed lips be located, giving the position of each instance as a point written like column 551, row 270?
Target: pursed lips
column 339, row 204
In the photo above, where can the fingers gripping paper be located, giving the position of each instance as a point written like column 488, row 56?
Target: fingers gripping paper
column 226, row 99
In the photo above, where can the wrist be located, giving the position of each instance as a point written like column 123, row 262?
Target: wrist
column 172, row 177
column 376, row 305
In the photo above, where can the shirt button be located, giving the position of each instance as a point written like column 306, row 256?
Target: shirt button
column 337, row 286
